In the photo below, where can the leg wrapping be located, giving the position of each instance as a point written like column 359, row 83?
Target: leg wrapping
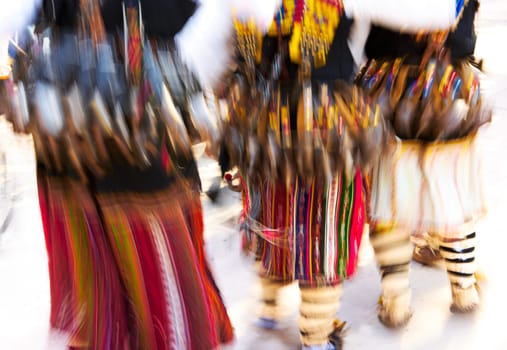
column 393, row 252
column 319, row 306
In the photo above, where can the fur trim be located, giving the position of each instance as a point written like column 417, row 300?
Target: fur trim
column 206, row 41
column 464, row 300
column 395, row 312
column 15, row 15
column 408, row 16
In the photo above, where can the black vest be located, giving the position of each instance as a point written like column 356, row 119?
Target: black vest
column 384, row 43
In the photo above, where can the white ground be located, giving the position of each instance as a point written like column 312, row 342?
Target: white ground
column 24, row 289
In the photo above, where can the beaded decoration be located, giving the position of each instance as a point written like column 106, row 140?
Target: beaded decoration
column 311, row 25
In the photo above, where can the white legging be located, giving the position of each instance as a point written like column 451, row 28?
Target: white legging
column 318, row 309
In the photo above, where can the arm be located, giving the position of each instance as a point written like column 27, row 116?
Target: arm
column 407, row 15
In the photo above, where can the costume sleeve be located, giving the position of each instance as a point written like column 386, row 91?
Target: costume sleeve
column 407, row 15
column 357, row 40
column 205, row 41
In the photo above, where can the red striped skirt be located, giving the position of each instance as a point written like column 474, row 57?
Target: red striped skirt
column 128, row 270
column 310, row 232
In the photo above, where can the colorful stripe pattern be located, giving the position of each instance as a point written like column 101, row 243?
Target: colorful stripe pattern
column 128, row 270
column 84, row 280
column 309, row 232
column 134, row 45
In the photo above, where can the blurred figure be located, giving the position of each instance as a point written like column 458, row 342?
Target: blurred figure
column 461, row 44
column 302, row 228
column 301, row 161
column 125, row 247
column 429, row 180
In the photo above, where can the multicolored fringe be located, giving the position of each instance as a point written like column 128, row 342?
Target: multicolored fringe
column 84, row 280
column 309, row 232
column 194, row 215
column 128, row 270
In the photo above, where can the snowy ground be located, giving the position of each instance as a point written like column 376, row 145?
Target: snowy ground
column 24, row 291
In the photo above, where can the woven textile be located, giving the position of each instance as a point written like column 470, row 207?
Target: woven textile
column 128, row 270
column 309, row 232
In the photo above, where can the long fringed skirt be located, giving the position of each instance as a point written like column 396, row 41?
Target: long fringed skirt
column 434, row 187
column 310, row 232
column 127, row 270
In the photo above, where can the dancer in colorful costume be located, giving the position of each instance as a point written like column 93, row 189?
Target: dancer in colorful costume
column 461, row 44
column 301, row 135
column 304, row 202
column 429, row 178
column 118, row 187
